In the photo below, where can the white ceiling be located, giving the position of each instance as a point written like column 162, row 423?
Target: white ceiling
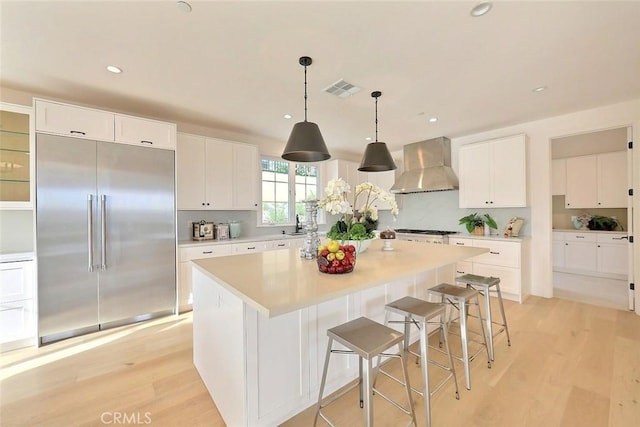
column 234, row 66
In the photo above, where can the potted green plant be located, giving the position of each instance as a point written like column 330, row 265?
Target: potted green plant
column 598, row 222
column 475, row 222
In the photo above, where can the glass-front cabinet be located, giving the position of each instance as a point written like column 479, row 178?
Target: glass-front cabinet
column 16, row 163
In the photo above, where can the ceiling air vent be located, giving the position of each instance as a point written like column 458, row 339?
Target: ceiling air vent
column 342, row 89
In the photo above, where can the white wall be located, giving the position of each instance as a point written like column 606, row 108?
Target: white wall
column 540, row 133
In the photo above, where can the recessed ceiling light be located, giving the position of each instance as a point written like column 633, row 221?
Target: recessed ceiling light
column 287, row 116
column 114, row 69
column 481, row 9
column 539, row 89
column 433, row 119
column 183, row 6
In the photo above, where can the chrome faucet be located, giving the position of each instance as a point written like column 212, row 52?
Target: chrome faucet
column 298, row 225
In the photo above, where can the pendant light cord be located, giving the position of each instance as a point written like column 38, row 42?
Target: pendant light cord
column 305, row 93
column 376, row 119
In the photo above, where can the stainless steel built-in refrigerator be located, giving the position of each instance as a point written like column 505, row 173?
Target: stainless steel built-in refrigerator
column 105, row 223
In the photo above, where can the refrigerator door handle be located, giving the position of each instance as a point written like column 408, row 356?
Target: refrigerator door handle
column 103, row 230
column 90, row 230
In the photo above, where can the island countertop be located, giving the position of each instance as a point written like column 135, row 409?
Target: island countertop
column 279, row 282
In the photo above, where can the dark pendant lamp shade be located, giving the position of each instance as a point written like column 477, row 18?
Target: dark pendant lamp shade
column 377, row 157
column 305, row 143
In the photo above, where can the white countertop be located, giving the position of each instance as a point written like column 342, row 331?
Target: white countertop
column 575, row 230
column 278, row 282
column 195, row 243
column 18, row 256
column 489, row 237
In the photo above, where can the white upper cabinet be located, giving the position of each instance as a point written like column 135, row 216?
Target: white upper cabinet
column 137, row 131
column 190, row 171
column 16, row 157
column 493, row 174
column 597, row 181
column 558, row 177
column 612, row 180
column 70, row 120
column 88, row 123
column 246, row 175
column 214, row 174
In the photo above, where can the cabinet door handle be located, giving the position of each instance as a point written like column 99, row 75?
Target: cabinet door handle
column 146, row 142
column 495, row 253
column 78, row 132
column 281, row 244
column 207, row 252
column 251, row 247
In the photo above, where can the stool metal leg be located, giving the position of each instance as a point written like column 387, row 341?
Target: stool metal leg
column 425, row 369
column 487, row 309
column 324, row 380
column 504, row 318
column 360, row 380
column 482, row 331
column 444, row 325
column 463, row 339
column 368, row 391
column 405, row 373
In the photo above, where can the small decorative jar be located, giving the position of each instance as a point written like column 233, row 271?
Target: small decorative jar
column 387, row 236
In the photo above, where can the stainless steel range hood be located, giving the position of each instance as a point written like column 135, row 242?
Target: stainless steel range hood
column 427, row 167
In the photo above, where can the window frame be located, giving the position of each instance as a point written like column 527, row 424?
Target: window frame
column 291, row 192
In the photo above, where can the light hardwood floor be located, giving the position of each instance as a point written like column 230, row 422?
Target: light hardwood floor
column 570, row 364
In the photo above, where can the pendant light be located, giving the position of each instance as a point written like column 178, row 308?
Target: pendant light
column 305, row 143
column 376, row 156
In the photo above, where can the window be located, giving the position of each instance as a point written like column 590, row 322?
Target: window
column 284, row 188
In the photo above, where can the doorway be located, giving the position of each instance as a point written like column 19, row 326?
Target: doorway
column 592, row 218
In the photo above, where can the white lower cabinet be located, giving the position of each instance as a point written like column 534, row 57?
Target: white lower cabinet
column 185, row 288
column 17, row 305
column 591, row 253
column 506, row 259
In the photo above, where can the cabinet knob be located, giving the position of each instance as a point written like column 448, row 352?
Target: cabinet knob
column 202, row 203
column 207, row 203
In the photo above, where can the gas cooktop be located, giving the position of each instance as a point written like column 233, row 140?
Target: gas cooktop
column 415, row 231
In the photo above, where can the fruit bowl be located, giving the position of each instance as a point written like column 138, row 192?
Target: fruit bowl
column 334, row 258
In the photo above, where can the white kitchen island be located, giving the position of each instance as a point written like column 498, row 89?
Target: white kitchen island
column 260, row 321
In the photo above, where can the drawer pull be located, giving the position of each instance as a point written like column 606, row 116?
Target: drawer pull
column 459, row 244
column 77, row 132
column 280, row 245
column 207, row 252
column 146, row 142
column 460, row 272
column 494, row 253
column 251, row 247
column 620, row 238
column 579, row 237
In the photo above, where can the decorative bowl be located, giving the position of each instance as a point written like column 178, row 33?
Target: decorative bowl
column 334, row 258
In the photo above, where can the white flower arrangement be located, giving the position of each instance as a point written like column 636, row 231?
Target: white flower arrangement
column 335, row 202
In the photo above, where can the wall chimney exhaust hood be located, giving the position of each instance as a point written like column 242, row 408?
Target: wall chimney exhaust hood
column 427, row 167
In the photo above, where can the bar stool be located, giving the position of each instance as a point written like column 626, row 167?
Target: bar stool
column 485, row 284
column 419, row 313
column 367, row 339
column 459, row 298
